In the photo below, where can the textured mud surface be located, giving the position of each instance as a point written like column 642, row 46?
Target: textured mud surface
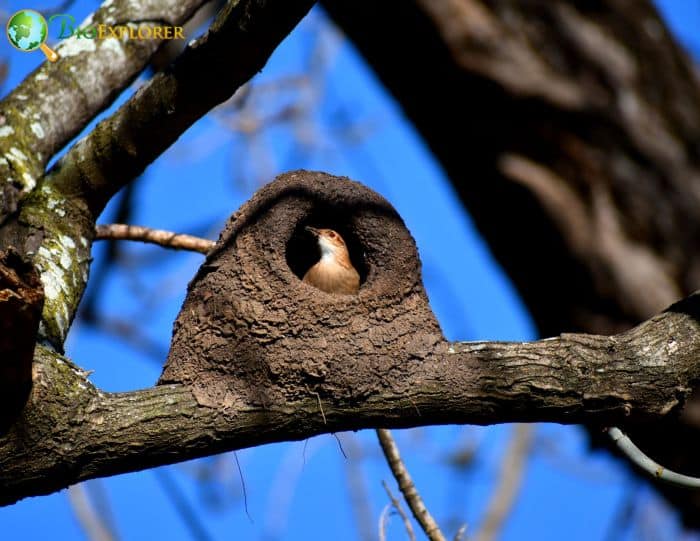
column 250, row 329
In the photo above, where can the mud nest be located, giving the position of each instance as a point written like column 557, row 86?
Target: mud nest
column 250, row 331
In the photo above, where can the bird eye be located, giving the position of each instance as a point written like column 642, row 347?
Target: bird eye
column 332, row 235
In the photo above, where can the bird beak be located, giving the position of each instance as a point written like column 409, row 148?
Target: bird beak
column 315, row 232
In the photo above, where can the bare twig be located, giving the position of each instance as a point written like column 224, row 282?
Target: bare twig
column 99, row 497
column 133, row 335
column 89, row 520
column 284, row 488
column 624, row 516
column 383, row 519
column 167, row 239
column 408, row 489
column 509, row 481
column 357, row 489
column 340, row 445
column 653, row 468
column 320, row 405
column 245, row 492
column 397, row 505
column 179, row 501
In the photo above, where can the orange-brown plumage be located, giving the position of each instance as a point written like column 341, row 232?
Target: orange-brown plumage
column 334, row 272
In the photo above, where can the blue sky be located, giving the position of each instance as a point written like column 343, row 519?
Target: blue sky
column 299, row 490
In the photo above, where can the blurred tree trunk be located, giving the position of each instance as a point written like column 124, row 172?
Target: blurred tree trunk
column 571, row 132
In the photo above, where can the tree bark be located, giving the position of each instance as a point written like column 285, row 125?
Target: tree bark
column 570, row 131
column 70, row 431
column 609, row 241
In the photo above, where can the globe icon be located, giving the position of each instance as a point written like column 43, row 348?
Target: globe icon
column 27, row 31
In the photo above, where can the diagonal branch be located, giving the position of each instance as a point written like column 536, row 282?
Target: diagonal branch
column 509, row 482
column 58, row 100
column 404, row 517
column 56, row 223
column 208, row 72
column 407, row 486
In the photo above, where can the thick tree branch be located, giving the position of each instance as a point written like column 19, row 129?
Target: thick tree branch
column 56, row 222
column 70, row 431
column 56, row 101
column 179, row 241
column 209, row 71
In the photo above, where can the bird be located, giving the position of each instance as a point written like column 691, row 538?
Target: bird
column 334, row 272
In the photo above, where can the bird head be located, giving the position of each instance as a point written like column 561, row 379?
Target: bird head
column 330, row 242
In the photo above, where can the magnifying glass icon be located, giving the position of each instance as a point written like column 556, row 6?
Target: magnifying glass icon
column 27, row 31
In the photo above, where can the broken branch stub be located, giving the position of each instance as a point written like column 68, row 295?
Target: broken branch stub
column 251, row 332
column 21, row 301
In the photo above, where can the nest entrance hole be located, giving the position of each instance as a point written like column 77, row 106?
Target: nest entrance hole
column 302, row 248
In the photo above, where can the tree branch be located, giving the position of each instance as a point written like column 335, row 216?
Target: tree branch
column 70, row 431
column 55, row 102
column 208, row 72
column 407, row 487
column 56, row 223
column 509, row 481
column 167, row 239
column 396, row 504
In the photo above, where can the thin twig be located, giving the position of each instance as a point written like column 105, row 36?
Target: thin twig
column 177, row 498
column 383, row 519
column 397, row 505
column 340, row 445
column 245, row 492
column 90, row 521
column 510, row 479
column 167, row 239
column 408, row 489
column 97, row 493
column 357, row 489
column 653, row 468
column 303, row 452
column 320, row 405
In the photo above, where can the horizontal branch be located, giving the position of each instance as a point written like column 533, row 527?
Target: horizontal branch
column 166, row 239
column 71, row 431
